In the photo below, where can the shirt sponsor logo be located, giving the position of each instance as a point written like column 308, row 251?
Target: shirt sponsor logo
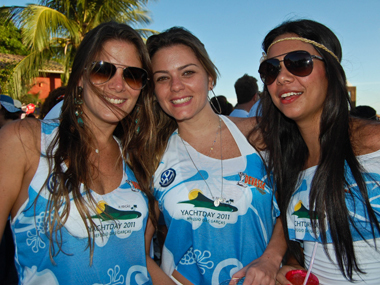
column 167, row 177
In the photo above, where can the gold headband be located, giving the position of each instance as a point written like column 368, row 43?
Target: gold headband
column 264, row 57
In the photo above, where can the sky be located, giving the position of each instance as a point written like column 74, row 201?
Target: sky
column 232, row 32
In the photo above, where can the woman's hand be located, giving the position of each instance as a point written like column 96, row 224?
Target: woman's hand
column 261, row 271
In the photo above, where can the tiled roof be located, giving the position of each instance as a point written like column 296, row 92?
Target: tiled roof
column 49, row 67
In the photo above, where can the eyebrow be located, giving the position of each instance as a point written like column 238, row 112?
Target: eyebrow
column 180, row 68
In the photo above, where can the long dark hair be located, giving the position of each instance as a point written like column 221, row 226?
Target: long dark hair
column 72, row 144
column 285, row 143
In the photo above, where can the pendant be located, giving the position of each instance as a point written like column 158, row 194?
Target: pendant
column 218, row 200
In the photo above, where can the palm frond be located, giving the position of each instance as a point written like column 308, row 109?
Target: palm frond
column 41, row 23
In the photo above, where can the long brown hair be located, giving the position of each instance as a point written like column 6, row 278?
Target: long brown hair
column 172, row 37
column 72, row 144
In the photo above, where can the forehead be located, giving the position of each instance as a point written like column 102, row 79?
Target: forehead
column 287, row 46
column 174, row 55
column 119, row 51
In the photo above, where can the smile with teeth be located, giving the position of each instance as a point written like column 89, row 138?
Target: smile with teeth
column 182, row 100
column 114, row 101
column 290, row 94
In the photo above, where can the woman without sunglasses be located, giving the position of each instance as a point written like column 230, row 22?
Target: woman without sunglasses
column 79, row 210
column 326, row 164
column 210, row 183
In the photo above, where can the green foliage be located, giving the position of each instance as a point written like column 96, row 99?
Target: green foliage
column 11, row 40
column 54, row 29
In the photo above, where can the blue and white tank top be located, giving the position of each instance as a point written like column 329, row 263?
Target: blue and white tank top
column 205, row 243
column 119, row 245
column 300, row 229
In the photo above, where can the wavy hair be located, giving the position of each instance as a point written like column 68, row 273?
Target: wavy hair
column 285, row 143
column 72, row 144
column 172, row 37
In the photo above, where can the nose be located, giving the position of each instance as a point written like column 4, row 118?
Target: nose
column 176, row 84
column 117, row 82
column 284, row 76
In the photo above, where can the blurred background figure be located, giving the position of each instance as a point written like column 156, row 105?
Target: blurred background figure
column 54, row 97
column 8, row 111
column 365, row 112
column 221, row 106
column 247, row 95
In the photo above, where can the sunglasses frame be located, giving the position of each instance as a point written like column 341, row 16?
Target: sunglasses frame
column 114, row 69
column 308, row 57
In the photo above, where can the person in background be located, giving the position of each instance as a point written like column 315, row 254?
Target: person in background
column 220, row 105
column 210, row 183
column 8, row 111
column 78, row 189
column 325, row 163
column 247, row 95
column 55, row 96
column 365, row 112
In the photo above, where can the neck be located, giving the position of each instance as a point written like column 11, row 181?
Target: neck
column 198, row 127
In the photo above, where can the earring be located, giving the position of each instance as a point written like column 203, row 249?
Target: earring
column 217, row 101
column 78, row 101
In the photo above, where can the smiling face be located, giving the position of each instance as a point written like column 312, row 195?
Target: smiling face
column 298, row 98
column 120, row 97
column 181, row 83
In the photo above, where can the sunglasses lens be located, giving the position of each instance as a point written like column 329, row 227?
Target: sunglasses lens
column 269, row 70
column 135, row 77
column 101, row 72
column 299, row 63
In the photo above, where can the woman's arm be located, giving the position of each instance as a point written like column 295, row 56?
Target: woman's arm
column 158, row 276
column 263, row 270
column 17, row 151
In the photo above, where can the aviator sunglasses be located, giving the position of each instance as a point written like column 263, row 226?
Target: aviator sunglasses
column 298, row 63
column 102, row 71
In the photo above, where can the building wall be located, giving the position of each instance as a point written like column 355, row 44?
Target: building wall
column 43, row 85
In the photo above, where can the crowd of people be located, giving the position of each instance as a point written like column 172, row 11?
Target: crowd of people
column 285, row 181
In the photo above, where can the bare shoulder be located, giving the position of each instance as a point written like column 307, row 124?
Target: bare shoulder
column 365, row 136
column 24, row 131
column 21, row 140
column 245, row 125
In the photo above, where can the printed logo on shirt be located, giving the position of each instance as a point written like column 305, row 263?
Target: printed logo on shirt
column 301, row 211
column 246, row 180
column 107, row 213
column 110, row 221
column 199, row 200
column 52, row 181
column 216, row 215
column 135, row 187
column 167, row 177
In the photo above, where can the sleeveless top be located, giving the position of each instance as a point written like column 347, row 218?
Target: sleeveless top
column 205, row 243
column 300, row 228
column 119, row 247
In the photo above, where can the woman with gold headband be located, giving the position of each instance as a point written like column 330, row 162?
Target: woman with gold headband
column 325, row 163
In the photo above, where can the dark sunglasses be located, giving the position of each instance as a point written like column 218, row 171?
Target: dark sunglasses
column 298, row 63
column 102, row 71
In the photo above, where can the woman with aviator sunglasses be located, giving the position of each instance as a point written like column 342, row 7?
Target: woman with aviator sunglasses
column 78, row 188
column 326, row 164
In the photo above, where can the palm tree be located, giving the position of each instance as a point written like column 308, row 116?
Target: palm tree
column 53, row 30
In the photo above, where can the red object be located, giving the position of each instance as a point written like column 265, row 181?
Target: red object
column 30, row 108
column 298, row 276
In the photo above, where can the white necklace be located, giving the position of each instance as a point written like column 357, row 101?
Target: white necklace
column 217, row 200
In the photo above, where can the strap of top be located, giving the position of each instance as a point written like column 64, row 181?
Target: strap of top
column 241, row 141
